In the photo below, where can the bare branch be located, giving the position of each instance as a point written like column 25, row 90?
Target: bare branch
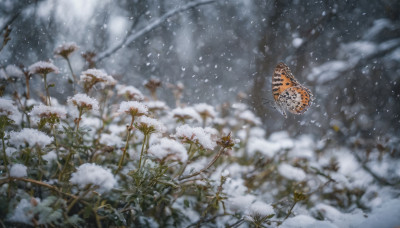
column 155, row 23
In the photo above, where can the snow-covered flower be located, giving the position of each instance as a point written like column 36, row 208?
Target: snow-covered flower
column 205, row 110
column 8, row 109
column 133, row 108
column 42, row 67
column 14, row 71
column 196, row 135
column 168, row 149
column 111, row 140
column 18, row 170
column 92, row 76
column 84, row 101
column 95, row 175
column 186, row 113
column 148, row 125
column 291, row 173
column 131, row 92
column 44, row 111
column 249, row 117
column 64, row 50
column 156, row 105
column 31, row 136
column 260, row 209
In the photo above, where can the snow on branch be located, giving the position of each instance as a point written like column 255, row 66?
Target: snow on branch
column 155, row 23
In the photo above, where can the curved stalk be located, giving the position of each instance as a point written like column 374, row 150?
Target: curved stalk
column 126, row 146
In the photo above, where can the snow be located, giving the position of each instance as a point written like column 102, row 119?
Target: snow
column 42, row 67
column 249, row 117
column 387, row 213
column 23, row 212
column 240, row 203
column 18, row 170
column 297, row 42
column 149, row 122
column 14, row 71
column 44, row 111
column 263, row 146
column 186, row 113
column 96, row 175
column 111, row 140
column 50, row 156
column 7, row 108
column 262, row 209
column 291, row 173
column 131, row 92
column 31, row 136
column 205, row 110
column 197, row 135
column 168, row 149
column 97, row 75
column 134, row 107
column 156, row 105
column 83, row 100
column 305, row 221
column 66, row 49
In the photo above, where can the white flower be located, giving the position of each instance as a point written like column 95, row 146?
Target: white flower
column 42, row 67
column 93, row 174
column 168, row 149
column 147, row 122
column 48, row 111
column 18, row 170
column 197, row 135
column 31, row 136
column 7, row 108
column 131, row 92
column 95, row 75
column 133, row 108
column 84, row 101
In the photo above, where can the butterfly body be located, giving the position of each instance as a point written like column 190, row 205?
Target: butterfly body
column 288, row 93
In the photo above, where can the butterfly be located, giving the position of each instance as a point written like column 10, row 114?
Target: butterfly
column 288, row 92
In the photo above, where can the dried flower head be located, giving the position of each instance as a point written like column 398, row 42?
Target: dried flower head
column 205, row 110
column 8, row 109
column 130, row 92
column 43, row 68
column 64, row 50
column 30, row 136
column 195, row 135
column 44, row 111
column 84, row 101
column 133, row 108
column 183, row 114
column 168, row 149
column 149, row 125
column 152, row 85
column 92, row 76
column 154, row 106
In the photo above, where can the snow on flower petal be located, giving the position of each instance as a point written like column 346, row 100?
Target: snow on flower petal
column 42, row 67
column 96, row 75
column 133, row 107
column 168, row 148
column 48, row 111
column 66, row 49
column 262, row 209
column 131, row 92
column 7, row 108
column 95, row 175
column 149, row 122
column 84, row 101
column 31, row 136
column 196, row 134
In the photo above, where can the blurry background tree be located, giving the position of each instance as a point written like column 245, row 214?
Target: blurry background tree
column 347, row 52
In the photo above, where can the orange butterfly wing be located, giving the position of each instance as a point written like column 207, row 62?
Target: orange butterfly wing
column 282, row 79
column 288, row 93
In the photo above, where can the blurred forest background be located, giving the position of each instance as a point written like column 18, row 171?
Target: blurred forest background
column 346, row 52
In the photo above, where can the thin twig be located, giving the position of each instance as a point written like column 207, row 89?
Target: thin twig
column 155, row 23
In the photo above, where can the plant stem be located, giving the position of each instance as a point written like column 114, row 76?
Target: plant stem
column 4, row 153
column 141, row 152
column 205, row 168
column 27, row 86
column 73, row 75
column 187, row 162
column 48, row 102
column 126, row 146
column 290, row 210
column 79, row 119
